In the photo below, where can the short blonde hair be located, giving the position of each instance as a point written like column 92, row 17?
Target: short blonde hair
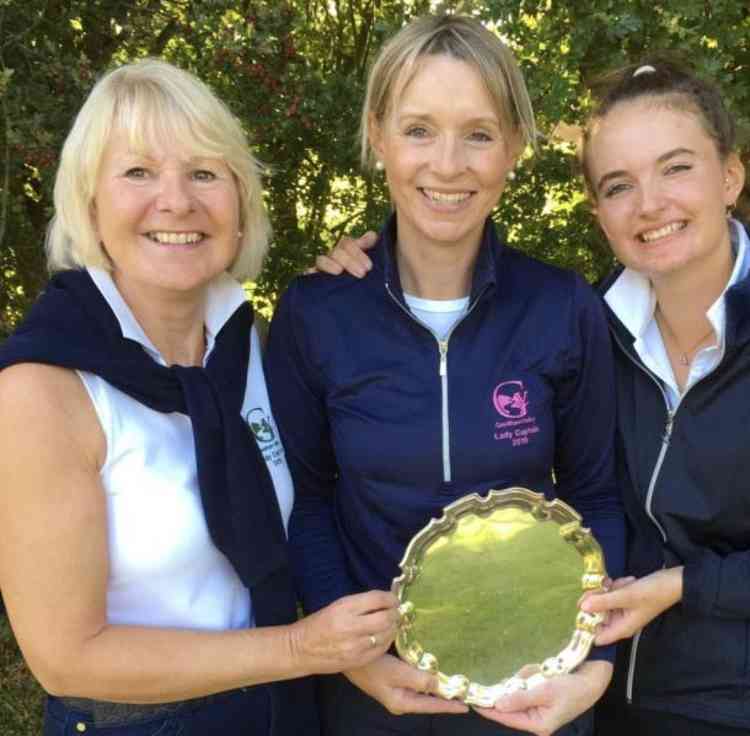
column 461, row 38
column 151, row 100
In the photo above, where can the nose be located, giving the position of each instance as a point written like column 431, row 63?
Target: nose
column 652, row 199
column 449, row 159
column 174, row 194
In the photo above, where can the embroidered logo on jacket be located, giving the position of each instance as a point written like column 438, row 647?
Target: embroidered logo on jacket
column 511, row 401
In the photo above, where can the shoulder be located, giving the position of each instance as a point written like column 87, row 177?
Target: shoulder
column 49, row 407
column 545, row 280
column 318, row 301
column 311, row 288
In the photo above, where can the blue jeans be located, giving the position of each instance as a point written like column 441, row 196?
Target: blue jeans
column 245, row 712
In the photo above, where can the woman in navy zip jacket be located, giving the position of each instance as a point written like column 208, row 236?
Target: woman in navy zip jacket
column 456, row 365
column 662, row 171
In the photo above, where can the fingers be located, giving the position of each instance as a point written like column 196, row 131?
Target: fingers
column 603, row 602
column 612, row 634
column 622, row 582
column 349, row 633
column 372, row 600
column 326, row 264
column 408, row 701
column 401, row 688
column 522, row 700
column 419, row 692
column 367, row 240
column 350, row 254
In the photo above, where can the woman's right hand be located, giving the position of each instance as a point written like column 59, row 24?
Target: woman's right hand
column 348, row 633
column 401, row 688
column 348, row 255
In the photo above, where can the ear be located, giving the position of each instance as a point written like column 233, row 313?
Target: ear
column 734, row 179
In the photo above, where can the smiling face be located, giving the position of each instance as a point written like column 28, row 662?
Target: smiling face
column 445, row 155
column 661, row 188
column 168, row 222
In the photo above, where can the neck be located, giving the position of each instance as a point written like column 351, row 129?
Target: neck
column 684, row 297
column 435, row 273
column 173, row 322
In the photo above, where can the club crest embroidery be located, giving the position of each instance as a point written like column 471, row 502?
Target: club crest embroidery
column 260, row 426
column 511, row 402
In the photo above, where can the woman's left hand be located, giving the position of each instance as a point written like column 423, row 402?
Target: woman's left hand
column 348, row 256
column 549, row 706
column 632, row 603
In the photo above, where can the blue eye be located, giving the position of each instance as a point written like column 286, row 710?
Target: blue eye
column 416, row 131
column 480, row 136
column 204, row 175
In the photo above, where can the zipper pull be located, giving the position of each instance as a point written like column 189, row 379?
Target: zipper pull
column 443, row 347
column 668, row 427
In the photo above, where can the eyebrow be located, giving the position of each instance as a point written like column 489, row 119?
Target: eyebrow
column 662, row 159
column 479, row 120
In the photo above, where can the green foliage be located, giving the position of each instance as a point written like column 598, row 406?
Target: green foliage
column 20, row 697
column 294, row 72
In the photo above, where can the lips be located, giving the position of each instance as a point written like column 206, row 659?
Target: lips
column 649, row 236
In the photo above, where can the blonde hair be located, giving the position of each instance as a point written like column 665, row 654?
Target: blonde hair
column 461, row 38
column 151, row 100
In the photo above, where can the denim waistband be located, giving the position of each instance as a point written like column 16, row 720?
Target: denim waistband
column 106, row 713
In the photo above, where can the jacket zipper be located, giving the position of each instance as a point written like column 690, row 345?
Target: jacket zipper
column 649, row 512
column 666, row 437
column 442, row 373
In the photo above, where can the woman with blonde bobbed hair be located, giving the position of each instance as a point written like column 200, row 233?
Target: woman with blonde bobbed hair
column 456, row 365
column 144, row 492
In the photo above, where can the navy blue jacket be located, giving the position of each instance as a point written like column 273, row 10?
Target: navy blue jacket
column 694, row 659
column 384, row 425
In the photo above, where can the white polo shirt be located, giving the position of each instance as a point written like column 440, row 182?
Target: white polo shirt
column 164, row 568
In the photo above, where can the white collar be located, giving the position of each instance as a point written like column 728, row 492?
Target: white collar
column 631, row 297
column 223, row 296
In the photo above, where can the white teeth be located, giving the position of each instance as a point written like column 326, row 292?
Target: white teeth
column 168, row 238
column 450, row 197
column 662, row 232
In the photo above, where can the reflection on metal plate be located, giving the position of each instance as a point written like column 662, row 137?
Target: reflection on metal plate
column 489, row 594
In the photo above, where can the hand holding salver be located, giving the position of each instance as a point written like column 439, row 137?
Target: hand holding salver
column 350, row 632
column 632, row 603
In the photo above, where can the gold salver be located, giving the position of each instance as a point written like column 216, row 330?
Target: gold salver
column 489, row 594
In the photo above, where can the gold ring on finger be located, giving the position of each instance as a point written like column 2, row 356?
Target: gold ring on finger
column 373, row 640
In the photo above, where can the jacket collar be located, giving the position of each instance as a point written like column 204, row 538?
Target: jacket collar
column 738, row 299
column 485, row 268
column 630, row 300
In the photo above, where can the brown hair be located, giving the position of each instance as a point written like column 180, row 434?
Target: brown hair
column 669, row 83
